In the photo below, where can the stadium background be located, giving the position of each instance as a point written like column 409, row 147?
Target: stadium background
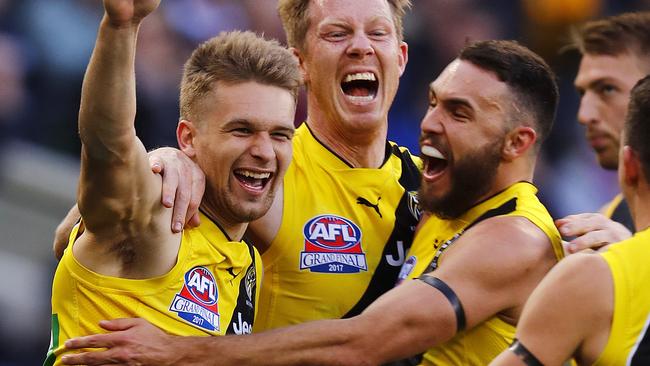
column 45, row 46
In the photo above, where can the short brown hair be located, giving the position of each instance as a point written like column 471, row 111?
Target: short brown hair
column 528, row 76
column 295, row 19
column 615, row 35
column 235, row 57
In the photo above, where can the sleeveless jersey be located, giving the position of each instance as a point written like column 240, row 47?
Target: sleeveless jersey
column 481, row 344
column 618, row 210
column 343, row 236
column 629, row 339
column 211, row 290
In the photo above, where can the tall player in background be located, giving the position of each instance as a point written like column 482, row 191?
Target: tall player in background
column 615, row 55
column 238, row 99
column 596, row 307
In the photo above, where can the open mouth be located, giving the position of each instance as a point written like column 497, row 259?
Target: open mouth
column 360, row 86
column 254, row 181
column 435, row 162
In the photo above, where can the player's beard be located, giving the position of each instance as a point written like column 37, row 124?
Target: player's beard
column 472, row 177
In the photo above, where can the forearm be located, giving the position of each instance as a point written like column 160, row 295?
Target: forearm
column 107, row 112
column 328, row 342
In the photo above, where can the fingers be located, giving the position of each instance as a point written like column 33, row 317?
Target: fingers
column 107, row 357
column 106, row 340
column 591, row 230
column 580, row 224
column 120, row 324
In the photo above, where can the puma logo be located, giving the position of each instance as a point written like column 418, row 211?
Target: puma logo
column 365, row 202
column 232, row 273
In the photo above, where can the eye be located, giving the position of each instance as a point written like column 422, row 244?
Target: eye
column 241, row 131
column 607, row 89
column 378, row 33
column 283, row 136
column 335, row 35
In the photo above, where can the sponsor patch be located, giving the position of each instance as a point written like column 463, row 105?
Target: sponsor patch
column 332, row 245
column 197, row 300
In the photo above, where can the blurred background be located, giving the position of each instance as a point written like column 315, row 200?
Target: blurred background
column 45, row 46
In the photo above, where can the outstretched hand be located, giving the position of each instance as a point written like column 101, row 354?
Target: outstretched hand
column 130, row 342
column 590, row 231
column 182, row 186
column 128, row 12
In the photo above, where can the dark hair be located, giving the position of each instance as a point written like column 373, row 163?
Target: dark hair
column 530, row 79
column 295, row 19
column 637, row 123
column 234, row 57
column 615, row 35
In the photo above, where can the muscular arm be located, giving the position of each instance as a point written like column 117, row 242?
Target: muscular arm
column 118, row 194
column 492, row 271
column 569, row 314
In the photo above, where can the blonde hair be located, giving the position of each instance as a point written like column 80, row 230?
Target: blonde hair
column 235, row 57
column 295, row 19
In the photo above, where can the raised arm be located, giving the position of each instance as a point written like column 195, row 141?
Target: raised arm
column 119, row 196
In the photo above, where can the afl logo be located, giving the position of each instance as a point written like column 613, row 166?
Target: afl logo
column 332, row 245
column 196, row 303
column 201, row 285
column 332, row 233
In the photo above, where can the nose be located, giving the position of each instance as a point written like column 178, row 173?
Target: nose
column 360, row 46
column 587, row 111
column 431, row 123
column 262, row 147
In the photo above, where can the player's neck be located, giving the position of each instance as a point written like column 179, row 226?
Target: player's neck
column 233, row 230
column 639, row 205
column 360, row 149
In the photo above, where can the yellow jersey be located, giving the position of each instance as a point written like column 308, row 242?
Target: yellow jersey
column 343, row 236
column 629, row 339
column 481, row 344
column 211, row 290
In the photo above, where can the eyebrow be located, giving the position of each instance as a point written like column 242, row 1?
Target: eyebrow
column 451, row 102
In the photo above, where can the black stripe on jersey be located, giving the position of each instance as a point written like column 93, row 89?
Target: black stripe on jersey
column 243, row 314
column 398, row 242
column 621, row 214
column 641, row 355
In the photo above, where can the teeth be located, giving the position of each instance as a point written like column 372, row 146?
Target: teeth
column 360, row 76
column 367, row 98
column 432, row 152
column 255, row 175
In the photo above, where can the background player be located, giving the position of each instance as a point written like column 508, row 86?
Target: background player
column 615, row 55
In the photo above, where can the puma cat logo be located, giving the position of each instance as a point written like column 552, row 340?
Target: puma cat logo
column 365, row 202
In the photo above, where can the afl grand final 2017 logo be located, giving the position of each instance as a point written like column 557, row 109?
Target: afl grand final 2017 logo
column 197, row 300
column 332, row 245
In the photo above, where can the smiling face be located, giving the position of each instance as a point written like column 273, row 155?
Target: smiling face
column 604, row 83
column 352, row 62
column 462, row 136
column 242, row 142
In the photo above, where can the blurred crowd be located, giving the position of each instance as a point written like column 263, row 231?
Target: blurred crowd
column 45, row 46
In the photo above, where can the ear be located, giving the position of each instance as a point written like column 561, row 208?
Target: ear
column 630, row 165
column 185, row 134
column 518, row 141
column 403, row 57
column 301, row 63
